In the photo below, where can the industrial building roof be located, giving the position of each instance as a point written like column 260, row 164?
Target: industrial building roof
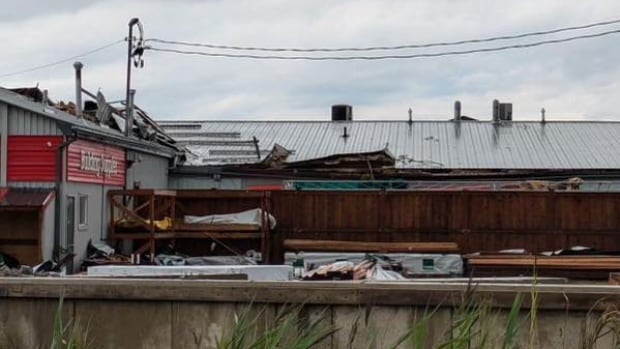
column 416, row 145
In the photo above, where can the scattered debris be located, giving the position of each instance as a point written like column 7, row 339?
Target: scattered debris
column 99, row 253
column 371, row 268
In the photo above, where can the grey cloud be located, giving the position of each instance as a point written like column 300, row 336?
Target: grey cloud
column 575, row 80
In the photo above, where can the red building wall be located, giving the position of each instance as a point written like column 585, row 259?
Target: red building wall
column 90, row 162
column 32, row 158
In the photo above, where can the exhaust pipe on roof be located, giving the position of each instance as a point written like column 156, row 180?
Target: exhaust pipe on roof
column 78, row 87
column 457, row 111
column 495, row 110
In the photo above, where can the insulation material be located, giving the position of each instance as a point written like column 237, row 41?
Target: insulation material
column 254, row 272
column 413, row 263
column 251, row 217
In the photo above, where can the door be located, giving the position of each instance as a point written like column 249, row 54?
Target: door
column 70, row 235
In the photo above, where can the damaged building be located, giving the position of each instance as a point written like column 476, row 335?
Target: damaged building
column 57, row 162
column 421, row 154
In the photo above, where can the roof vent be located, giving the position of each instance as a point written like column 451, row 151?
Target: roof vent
column 502, row 111
column 342, row 112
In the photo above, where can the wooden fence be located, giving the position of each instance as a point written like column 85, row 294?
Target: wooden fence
column 477, row 221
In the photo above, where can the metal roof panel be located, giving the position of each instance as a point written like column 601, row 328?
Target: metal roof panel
column 433, row 144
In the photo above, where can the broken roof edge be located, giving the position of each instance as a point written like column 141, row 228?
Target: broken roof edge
column 85, row 127
column 384, row 157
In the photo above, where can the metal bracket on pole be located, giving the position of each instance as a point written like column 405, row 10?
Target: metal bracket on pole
column 133, row 50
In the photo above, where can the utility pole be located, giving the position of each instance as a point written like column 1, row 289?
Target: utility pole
column 134, row 52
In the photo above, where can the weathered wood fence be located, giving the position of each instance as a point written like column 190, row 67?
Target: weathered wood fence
column 477, row 221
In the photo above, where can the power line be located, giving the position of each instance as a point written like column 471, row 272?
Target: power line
column 39, row 67
column 411, row 56
column 379, row 48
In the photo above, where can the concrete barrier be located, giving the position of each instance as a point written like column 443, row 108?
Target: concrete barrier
column 194, row 314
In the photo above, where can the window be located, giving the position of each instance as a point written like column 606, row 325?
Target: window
column 83, row 211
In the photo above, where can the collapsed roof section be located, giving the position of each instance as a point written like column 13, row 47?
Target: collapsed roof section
column 99, row 118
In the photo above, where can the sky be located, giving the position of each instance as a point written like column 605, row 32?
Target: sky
column 579, row 80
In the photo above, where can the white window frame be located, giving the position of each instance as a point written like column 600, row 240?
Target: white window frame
column 82, row 225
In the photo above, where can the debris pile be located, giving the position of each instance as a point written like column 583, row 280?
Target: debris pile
column 371, row 268
column 99, row 253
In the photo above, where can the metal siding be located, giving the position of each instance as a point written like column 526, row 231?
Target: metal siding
column 32, row 158
column 23, row 122
column 31, row 184
column 429, row 144
column 74, row 162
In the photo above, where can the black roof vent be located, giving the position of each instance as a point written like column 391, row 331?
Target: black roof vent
column 342, row 112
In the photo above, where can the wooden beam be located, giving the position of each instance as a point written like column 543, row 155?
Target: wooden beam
column 216, row 234
column 142, row 236
column 219, row 194
column 130, row 213
column 379, row 247
column 216, row 227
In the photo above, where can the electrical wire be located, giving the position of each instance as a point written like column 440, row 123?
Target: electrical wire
column 65, row 60
column 409, row 56
column 378, row 48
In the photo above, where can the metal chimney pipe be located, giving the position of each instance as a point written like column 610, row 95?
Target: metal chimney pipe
column 78, row 87
column 495, row 110
column 457, row 111
column 410, row 111
column 129, row 113
column 542, row 114
column 45, row 97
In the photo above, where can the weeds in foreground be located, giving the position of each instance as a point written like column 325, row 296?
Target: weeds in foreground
column 70, row 335
column 594, row 328
column 290, row 330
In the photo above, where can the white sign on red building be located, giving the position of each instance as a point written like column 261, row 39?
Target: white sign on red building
column 90, row 162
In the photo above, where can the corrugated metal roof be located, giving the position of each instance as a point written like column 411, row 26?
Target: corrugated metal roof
column 420, row 145
column 25, row 198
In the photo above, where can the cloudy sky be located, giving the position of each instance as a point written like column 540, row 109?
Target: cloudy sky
column 577, row 80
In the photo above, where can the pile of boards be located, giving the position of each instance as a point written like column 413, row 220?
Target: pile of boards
column 592, row 265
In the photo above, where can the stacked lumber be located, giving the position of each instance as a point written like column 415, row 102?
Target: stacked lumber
column 553, row 262
column 578, row 266
column 308, row 245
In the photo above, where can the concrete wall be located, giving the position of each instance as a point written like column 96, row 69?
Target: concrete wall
column 151, row 171
column 189, row 314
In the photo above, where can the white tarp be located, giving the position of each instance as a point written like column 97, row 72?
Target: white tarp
column 254, row 272
column 246, row 217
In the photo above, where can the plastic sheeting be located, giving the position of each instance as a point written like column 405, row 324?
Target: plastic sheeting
column 252, row 217
column 254, row 272
column 413, row 263
column 163, row 259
